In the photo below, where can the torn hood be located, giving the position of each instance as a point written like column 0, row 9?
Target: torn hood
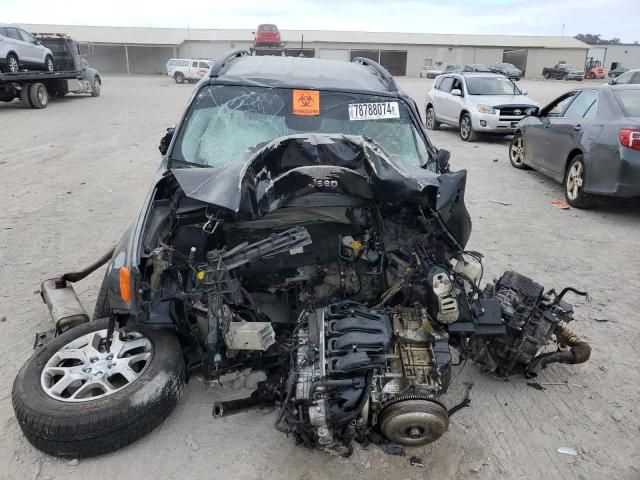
column 319, row 166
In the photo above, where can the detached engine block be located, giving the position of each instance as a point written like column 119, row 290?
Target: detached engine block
column 357, row 367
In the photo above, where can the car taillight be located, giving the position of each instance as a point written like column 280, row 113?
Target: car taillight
column 630, row 138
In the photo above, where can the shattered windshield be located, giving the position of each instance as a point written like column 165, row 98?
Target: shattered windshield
column 225, row 121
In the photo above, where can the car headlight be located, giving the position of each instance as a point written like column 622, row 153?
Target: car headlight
column 485, row 108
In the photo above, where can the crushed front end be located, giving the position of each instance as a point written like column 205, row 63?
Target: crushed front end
column 343, row 276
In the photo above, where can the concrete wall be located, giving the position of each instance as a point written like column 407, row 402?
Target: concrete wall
column 627, row 55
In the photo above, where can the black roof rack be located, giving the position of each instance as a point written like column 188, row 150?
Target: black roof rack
column 380, row 70
column 220, row 65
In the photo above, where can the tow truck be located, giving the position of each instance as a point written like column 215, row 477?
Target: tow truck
column 73, row 74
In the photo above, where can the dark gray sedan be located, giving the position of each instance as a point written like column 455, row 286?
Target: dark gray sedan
column 588, row 139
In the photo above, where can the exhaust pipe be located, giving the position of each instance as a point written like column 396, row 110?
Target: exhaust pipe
column 579, row 352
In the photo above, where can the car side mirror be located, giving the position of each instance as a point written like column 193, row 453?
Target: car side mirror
column 612, row 81
column 165, row 141
column 37, row 42
column 442, row 157
column 524, row 92
column 456, row 92
column 532, row 112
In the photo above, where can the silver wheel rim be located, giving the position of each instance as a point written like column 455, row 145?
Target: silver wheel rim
column 96, row 85
column 517, row 151
column 430, row 119
column 465, row 127
column 575, row 178
column 13, row 64
column 83, row 371
column 49, row 65
column 42, row 97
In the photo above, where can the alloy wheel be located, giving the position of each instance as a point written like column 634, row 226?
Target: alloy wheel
column 13, row 64
column 517, row 151
column 465, row 127
column 430, row 119
column 83, row 370
column 575, row 179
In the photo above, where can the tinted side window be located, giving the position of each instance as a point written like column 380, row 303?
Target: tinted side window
column 204, row 65
column 13, row 33
column 581, row 104
column 437, row 83
column 625, row 78
column 557, row 108
column 3, row 31
column 26, row 37
column 194, row 64
column 446, row 84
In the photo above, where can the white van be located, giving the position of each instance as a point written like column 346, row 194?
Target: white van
column 186, row 69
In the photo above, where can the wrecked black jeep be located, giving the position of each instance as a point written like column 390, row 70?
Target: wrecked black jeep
column 301, row 225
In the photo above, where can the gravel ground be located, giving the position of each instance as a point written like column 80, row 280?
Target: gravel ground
column 73, row 175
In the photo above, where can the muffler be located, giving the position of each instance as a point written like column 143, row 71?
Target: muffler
column 63, row 303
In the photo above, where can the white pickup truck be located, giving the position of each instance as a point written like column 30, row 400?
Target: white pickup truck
column 189, row 70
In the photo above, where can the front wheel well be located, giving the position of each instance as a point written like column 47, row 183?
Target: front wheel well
column 574, row 153
column 462, row 113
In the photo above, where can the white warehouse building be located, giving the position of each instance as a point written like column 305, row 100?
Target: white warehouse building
column 134, row 50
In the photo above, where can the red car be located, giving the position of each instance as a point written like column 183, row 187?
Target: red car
column 267, row 35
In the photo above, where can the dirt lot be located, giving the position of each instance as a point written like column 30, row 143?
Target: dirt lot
column 73, row 175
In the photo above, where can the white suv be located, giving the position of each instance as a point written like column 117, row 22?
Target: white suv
column 476, row 102
column 19, row 49
column 189, row 70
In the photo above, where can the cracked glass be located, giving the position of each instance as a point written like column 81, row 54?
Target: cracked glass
column 226, row 122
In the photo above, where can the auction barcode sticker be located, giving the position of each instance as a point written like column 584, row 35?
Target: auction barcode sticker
column 373, row 111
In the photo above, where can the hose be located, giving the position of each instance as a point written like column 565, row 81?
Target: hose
column 77, row 276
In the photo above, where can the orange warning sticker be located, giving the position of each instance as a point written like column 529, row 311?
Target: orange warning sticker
column 306, row 102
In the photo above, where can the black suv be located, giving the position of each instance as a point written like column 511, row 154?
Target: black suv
column 300, row 225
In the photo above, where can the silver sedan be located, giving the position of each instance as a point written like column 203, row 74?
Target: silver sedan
column 588, row 139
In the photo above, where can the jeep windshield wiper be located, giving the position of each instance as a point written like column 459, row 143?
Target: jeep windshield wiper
column 173, row 161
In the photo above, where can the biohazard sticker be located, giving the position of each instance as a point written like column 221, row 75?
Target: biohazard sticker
column 306, row 102
column 373, row 111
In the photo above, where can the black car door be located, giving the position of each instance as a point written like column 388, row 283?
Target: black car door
column 566, row 131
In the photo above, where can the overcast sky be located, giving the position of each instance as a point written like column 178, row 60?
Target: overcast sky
column 610, row 18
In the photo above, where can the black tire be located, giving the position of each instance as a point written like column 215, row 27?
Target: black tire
column 577, row 197
column 25, row 96
column 466, row 129
column 38, row 95
column 430, row 119
column 179, row 77
column 13, row 64
column 96, row 87
column 90, row 428
column 546, row 75
column 49, row 66
column 516, row 152
column 103, row 307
